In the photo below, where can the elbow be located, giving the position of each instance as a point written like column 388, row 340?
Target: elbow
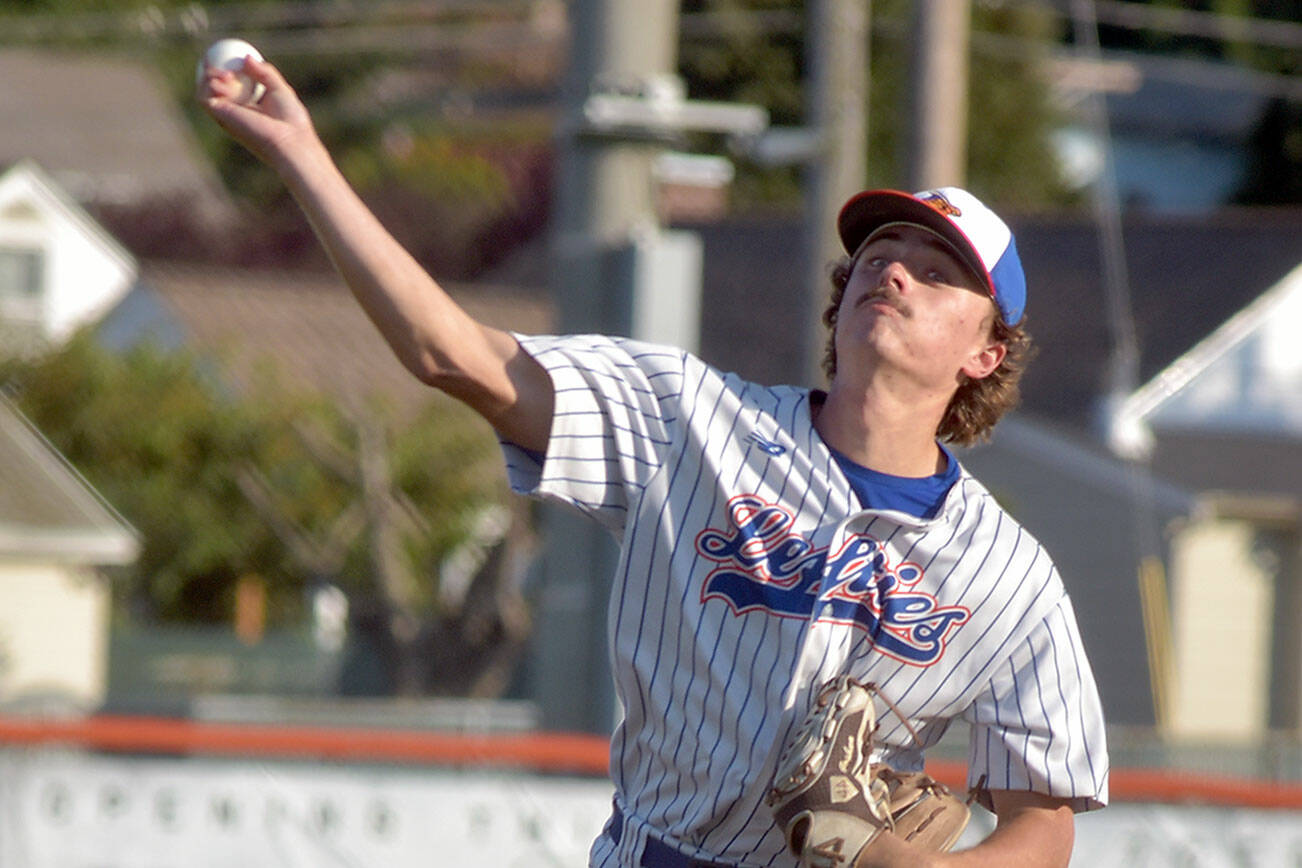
column 432, row 366
column 428, row 370
column 457, row 381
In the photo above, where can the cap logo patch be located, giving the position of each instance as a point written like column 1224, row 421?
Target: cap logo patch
column 943, row 205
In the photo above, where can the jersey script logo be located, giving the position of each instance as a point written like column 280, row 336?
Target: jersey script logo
column 764, row 566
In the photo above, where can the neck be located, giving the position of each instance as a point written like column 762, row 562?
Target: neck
column 881, row 431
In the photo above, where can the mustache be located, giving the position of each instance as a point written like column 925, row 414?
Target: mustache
column 888, row 295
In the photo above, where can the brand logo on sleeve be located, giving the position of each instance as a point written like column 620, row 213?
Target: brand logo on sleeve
column 766, row 445
column 764, row 566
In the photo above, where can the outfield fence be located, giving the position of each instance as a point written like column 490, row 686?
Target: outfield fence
column 143, row 792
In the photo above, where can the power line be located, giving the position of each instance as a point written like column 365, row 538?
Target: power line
column 349, row 26
column 244, row 17
column 196, row 19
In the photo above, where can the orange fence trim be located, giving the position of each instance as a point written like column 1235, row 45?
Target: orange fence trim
column 546, row 752
column 551, row 752
column 1167, row 785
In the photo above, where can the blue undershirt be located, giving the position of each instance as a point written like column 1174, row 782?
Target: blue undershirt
column 920, row 497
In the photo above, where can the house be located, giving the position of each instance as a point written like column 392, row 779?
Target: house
column 59, row 269
column 1180, row 135
column 1226, row 418
column 56, row 535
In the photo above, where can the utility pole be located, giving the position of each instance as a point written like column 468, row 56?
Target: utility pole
column 837, row 98
column 939, row 110
column 615, row 271
column 603, row 200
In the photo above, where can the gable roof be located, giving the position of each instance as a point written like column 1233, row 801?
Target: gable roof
column 1187, row 275
column 105, row 126
column 47, row 510
column 27, row 180
column 304, row 323
column 1245, row 376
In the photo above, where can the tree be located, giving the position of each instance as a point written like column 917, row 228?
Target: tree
column 757, row 55
column 1274, row 149
column 293, row 490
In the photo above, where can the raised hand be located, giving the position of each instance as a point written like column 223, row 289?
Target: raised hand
column 273, row 127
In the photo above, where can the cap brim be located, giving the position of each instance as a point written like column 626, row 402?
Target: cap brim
column 867, row 212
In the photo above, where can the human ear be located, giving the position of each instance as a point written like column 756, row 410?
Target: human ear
column 985, row 361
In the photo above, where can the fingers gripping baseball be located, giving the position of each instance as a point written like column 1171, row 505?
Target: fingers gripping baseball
column 267, row 126
column 831, row 801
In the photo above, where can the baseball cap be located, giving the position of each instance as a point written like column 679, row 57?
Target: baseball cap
column 980, row 237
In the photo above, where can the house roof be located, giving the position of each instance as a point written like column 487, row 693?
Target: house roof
column 46, row 509
column 1244, row 376
column 105, row 127
column 309, row 327
column 1218, row 462
column 1187, row 274
column 26, row 183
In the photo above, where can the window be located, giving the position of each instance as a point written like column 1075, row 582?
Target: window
column 21, row 272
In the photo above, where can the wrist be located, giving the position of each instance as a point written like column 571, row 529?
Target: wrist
column 890, row 851
column 296, row 155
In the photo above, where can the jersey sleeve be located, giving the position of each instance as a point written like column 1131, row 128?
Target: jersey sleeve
column 612, row 420
column 1038, row 725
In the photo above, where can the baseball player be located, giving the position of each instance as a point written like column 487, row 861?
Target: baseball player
column 774, row 538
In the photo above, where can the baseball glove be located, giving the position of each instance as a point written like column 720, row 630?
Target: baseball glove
column 831, row 801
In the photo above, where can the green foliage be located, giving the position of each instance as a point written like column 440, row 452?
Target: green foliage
column 146, row 432
column 1010, row 157
column 169, row 447
column 1011, row 115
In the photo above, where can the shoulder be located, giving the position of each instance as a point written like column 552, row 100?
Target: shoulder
column 552, row 350
column 1003, row 559
column 971, row 502
column 664, row 369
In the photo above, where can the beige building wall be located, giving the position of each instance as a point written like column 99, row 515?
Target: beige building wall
column 1222, row 613
column 54, row 622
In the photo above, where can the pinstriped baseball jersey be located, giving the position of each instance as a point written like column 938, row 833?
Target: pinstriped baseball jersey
column 749, row 574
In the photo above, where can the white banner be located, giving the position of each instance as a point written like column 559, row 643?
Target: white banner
column 1188, row 836
column 79, row 811
column 73, row 810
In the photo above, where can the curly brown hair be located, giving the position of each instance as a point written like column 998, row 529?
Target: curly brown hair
column 978, row 403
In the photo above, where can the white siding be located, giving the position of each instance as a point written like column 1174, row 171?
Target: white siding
column 1222, row 601
column 53, row 635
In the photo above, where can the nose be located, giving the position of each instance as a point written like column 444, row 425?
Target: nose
column 894, row 275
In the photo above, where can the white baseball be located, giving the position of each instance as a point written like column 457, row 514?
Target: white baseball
column 230, row 54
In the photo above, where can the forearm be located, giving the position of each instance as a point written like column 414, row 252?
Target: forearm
column 1026, row 840
column 431, row 335
column 1032, row 832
